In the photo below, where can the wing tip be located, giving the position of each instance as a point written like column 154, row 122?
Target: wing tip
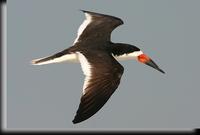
column 81, row 10
column 90, row 13
column 74, row 122
column 85, row 11
column 80, row 117
column 77, row 120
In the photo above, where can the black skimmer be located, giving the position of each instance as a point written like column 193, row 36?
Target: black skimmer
column 98, row 58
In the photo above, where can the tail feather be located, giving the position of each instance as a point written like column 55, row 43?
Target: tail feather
column 36, row 61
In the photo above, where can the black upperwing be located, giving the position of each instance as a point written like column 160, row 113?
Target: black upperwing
column 98, row 27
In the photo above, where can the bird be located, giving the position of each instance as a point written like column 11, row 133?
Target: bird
column 98, row 57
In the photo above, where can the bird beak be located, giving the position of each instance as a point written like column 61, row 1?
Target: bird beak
column 143, row 58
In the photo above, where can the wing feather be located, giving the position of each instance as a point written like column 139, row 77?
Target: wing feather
column 97, row 25
column 105, row 76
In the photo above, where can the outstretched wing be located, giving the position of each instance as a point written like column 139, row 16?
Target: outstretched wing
column 103, row 74
column 97, row 25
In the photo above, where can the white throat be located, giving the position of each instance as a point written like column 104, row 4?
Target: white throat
column 130, row 56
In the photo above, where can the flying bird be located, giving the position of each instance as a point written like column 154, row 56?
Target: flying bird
column 98, row 57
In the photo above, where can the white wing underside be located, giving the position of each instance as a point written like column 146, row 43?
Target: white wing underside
column 86, row 68
column 82, row 27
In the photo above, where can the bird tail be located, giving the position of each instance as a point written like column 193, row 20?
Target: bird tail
column 56, row 58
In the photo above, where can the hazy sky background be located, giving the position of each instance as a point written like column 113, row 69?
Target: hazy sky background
column 48, row 96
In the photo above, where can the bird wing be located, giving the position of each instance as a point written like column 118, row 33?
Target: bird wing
column 97, row 25
column 103, row 74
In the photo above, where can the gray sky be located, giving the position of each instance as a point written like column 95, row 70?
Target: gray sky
column 48, row 96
